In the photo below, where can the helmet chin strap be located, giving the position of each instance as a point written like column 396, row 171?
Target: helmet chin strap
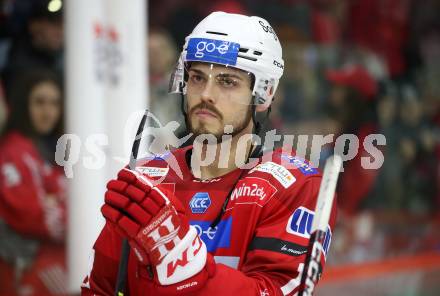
column 182, row 98
column 258, row 126
column 182, row 105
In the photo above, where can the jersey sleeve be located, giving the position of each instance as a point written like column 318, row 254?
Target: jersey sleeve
column 103, row 264
column 278, row 250
column 25, row 204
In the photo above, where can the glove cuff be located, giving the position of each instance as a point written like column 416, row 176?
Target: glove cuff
column 185, row 260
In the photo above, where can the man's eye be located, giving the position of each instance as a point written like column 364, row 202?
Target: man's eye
column 227, row 82
column 196, row 78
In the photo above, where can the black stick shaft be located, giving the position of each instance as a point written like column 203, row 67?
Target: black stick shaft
column 312, row 267
column 121, row 280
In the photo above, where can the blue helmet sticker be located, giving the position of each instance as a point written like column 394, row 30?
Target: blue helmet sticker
column 211, row 50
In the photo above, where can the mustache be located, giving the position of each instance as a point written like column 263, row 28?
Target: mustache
column 208, row 107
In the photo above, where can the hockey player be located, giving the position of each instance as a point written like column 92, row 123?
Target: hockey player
column 224, row 229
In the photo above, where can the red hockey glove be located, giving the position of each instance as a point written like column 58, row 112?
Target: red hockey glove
column 157, row 229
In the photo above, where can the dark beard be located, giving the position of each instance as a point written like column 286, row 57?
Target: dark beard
column 237, row 130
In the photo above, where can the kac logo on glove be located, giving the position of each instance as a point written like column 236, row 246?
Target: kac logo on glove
column 200, row 202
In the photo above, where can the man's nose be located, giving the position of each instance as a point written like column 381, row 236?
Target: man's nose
column 209, row 91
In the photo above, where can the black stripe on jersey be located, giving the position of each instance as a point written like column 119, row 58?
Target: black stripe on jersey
column 277, row 245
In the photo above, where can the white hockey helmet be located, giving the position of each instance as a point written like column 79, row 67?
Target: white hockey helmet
column 244, row 42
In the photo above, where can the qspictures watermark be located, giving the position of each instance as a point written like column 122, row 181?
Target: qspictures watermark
column 69, row 148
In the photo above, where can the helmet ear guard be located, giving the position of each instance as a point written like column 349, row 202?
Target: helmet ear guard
column 264, row 91
column 177, row 82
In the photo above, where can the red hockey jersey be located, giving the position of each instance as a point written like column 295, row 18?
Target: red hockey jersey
column 259, row 244
column 32, row 212
column 32, row 192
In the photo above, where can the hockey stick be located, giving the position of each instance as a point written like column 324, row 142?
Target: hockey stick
column 310, row 273
column 121, row 280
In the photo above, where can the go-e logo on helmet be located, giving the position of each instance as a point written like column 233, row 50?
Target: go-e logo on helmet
column 209, row 47
column 212, row 50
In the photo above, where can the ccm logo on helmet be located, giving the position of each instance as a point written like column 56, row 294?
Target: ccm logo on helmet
column 278, row 64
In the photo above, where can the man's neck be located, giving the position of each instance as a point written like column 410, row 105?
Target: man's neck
column 219, row 159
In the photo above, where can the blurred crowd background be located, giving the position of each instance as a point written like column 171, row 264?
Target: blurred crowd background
column 351, row 67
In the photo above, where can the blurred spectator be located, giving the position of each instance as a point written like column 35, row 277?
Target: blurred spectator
column 3, row 108
column 229, row 6
column 416, row 151
column 181, row 16
column 39, row 46
column 381, row 26
column 389, row 184
column 32, row 190
column 162, row 60
column 328, row 20
column 404, row 180
column 424, row 41
column 351, row 106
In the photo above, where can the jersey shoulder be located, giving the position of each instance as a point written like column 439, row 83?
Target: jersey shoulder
column 159, row 165
column 283, row 169
column 16, row 144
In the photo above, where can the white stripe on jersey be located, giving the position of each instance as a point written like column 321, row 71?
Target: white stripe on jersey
column 293, row 283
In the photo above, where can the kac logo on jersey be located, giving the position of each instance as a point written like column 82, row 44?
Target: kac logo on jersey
column 211, row 50
column 200, row 202
column 300, row 224
column 217, row 237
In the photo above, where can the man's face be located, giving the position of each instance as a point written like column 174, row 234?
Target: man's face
column 218, row 96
